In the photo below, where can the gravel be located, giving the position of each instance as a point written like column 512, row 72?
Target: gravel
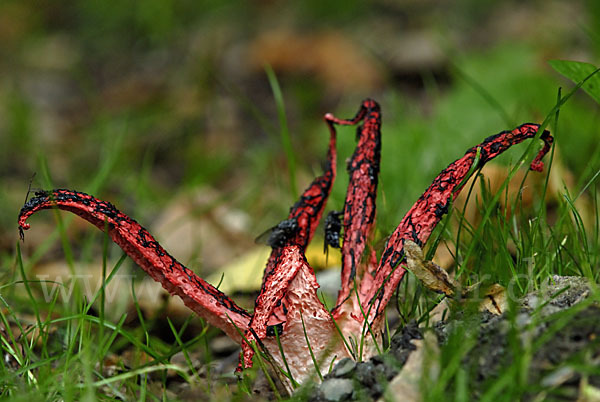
column 539, row 316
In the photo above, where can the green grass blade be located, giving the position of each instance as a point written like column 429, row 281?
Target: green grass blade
column 312, row 355
column 486, row 95
column 285, row 362
column 286, row 140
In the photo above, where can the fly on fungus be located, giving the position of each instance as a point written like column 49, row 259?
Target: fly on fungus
column 287, row 305
column 333, row 227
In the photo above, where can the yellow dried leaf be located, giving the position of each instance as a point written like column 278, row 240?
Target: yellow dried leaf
column 495, row 300
column 431, row 275
column 437, row 279
column 245, row 273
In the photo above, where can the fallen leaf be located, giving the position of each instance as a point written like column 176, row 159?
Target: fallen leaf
column 424, row 361
column 337, row 61
column 495, row 300
column 430, row 274
column 245, row 273
column 195, row 224
column 437, row 279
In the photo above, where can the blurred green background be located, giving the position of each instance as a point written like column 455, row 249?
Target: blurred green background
column 141, row 102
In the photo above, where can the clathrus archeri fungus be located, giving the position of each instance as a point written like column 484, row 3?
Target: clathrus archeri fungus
column 288, row 313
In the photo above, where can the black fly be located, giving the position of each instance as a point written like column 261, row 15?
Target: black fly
column 272, row 328
column 279, row 235
column 333, row 227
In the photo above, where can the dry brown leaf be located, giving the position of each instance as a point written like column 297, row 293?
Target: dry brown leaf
column 495, row 300
column 332, row 57
column 424, row 361
column 198, row 227
column 430, row 274
column 245, row 273
column 437, row 279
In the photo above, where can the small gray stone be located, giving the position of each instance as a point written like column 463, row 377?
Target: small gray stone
column 344, row 368
column 336, row 389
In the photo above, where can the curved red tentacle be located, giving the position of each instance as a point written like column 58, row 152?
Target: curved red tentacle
column 308, row 210
column 429, row 209
column 200, row 296
column 287, row 257
column 359, row 206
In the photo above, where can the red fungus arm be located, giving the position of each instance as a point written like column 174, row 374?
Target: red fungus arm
column 308, row 210
column 359, row 206
column 200, row 296
column 271, row 309
column 429, row 209
column 287, row 256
